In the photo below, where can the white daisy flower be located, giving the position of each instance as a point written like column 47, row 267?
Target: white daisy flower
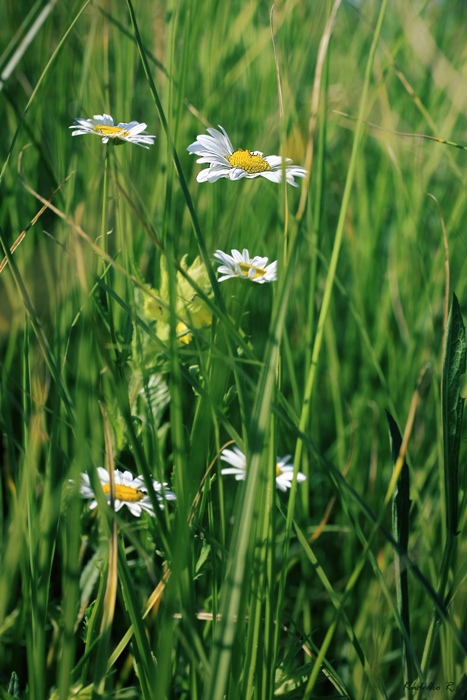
column 241, row 265
column 217, row 150
column 284, row 473
column 103, row 125
column 237, row 460
column 129, row 491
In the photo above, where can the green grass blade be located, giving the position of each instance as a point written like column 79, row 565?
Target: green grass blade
column 39, row 82
column 145, row 660
column 454, row 367
column 400, row 531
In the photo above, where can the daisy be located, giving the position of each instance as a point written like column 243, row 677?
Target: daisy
column 241, row 265
column 129, row 492
column 217, row 150
column 237, row 460
column 284, row 473
column 103, row 125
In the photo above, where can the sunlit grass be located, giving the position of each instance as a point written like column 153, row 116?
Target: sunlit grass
column 116, row 353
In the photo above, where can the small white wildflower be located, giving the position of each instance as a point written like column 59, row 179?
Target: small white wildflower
column 284, row 473
column 237, row 460
column 102, row 125
column 129, row 491
column 224, row 161
column 241, row 265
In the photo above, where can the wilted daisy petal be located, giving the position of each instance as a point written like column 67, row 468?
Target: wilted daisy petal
column 129, row 491
column 102, row 125
column 237, row 461
column 217, row 150
column 241, row 265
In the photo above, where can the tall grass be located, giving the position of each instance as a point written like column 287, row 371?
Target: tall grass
column 353, row 582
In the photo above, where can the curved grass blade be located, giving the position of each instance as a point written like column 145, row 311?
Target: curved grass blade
column 400, row 530
column 454, row 367
column 25, row 35
column 407, row 134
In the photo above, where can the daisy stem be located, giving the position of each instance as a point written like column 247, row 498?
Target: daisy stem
column 104, row 227
column 105, row 194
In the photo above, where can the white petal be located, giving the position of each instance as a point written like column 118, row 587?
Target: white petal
column 103, row 475
column 134, row 508
column 234, row 457
column 209, row 175
column 147, row 506
column 259, row 262
column 240, row 257
column 233, row 470
column 237, row 174
column 272, row 175
column 223, row 257
column 276, row 161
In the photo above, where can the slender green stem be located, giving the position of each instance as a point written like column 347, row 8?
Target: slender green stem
column 107, row 270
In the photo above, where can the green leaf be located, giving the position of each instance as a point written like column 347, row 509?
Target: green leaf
column 13, row 685
column 288, row 680
column 454, row 367
column 203, row 557
column 401, row 501
column 400, row 530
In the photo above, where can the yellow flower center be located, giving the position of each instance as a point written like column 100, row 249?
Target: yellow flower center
column 250, row 161
column 111, row 131
column 124, row 493
column 278, row 470
column 245, row 267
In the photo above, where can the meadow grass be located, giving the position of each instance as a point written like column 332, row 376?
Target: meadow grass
column 350, row 584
